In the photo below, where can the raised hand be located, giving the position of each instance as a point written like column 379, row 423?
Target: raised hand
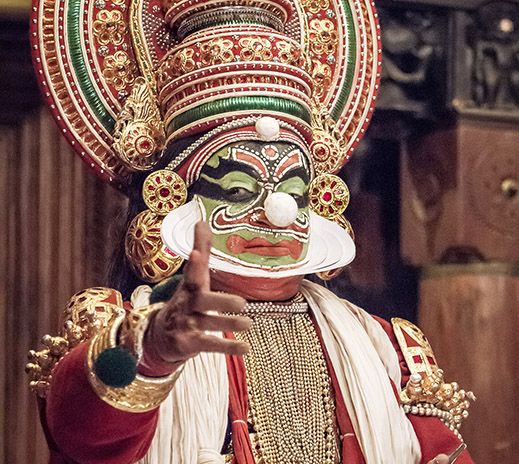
column 177, row 331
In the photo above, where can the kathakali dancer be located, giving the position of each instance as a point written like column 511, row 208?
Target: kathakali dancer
column 226, row 121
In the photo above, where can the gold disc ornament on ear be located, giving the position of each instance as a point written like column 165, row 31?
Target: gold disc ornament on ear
column 328, row 196
column 163, row 191
column 150, row 259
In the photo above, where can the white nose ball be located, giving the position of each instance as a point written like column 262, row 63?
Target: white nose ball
column 280, row 209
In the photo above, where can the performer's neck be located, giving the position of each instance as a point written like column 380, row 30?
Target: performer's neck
column 256, row 288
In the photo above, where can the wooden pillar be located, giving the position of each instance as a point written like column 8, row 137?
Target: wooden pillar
column 470, row 313
column 460, row 189
column 460, row 204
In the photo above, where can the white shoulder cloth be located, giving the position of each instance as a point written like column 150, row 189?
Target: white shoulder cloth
column 193, row 420
column 364, row 360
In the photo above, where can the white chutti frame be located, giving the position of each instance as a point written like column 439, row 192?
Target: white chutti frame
column 330, row 246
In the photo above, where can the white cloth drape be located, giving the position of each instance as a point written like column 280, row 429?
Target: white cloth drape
column 364, row 359
column 193, row 420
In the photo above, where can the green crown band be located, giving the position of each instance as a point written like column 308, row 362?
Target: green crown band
column 88, row 90
column 234, row 104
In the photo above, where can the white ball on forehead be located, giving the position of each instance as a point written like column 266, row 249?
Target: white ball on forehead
column 281, row 209
column 267, row 128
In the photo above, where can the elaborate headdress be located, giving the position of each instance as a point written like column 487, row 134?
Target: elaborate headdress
column 127, row 78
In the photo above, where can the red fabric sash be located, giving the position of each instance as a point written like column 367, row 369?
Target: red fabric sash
column 350, row 448
column 238, row 409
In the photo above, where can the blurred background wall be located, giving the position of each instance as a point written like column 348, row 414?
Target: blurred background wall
column 435, row 209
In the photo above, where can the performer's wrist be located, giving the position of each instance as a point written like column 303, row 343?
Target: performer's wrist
column 106, row 351
column 152, row 363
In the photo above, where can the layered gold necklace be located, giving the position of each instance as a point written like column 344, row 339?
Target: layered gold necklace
column 290, row 402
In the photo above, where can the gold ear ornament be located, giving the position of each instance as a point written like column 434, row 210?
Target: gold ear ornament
column 148, row 256
column 163, row 191
column 328, row 196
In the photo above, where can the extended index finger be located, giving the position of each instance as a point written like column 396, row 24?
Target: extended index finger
column 202, row 242
column 196, row 274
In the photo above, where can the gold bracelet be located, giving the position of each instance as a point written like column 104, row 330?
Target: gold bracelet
column 143, row 394
column 134, row 326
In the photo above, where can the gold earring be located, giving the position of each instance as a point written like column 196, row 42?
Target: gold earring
column 163, row 191
column 328, row 196
column 148, row 256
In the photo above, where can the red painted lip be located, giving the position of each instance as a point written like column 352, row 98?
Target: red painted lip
column 262, row 247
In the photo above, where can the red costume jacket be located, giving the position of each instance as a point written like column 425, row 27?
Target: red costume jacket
column 82, row 429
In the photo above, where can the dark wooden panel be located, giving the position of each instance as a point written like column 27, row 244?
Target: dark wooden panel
column 471, row 314
column 460, row 188
column 57, row 219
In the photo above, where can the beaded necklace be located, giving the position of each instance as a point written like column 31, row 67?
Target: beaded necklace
column 291, row 406
column 297, row 305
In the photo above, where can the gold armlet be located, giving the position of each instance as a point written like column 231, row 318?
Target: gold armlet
column 86, row 313
column 143, row 393
column 426, row 392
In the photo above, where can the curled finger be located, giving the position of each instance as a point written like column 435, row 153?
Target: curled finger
column 221, row 302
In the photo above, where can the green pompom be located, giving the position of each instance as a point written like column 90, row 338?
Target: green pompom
column 116, row 367
column 164, row 290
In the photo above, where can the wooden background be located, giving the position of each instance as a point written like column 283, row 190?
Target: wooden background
column 478, row 302
column 55, row 222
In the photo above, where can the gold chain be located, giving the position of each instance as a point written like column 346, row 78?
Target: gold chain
column 290, row 400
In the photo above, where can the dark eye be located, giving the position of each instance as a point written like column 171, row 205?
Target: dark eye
column 301, row 200
column 239, row 195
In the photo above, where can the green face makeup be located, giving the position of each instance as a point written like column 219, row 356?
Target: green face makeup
column 232, row 189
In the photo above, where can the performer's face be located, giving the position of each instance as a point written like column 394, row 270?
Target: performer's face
column 232, row 190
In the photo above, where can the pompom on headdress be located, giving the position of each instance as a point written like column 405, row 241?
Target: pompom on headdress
column 127, row 78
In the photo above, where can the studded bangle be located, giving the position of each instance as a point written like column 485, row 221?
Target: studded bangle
column 143, row 393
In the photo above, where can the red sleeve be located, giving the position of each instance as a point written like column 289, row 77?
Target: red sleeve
column 83, row 429
column 434, row 436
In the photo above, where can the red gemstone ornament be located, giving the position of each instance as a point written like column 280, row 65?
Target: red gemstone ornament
column 163, row 191
column 328, row 196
